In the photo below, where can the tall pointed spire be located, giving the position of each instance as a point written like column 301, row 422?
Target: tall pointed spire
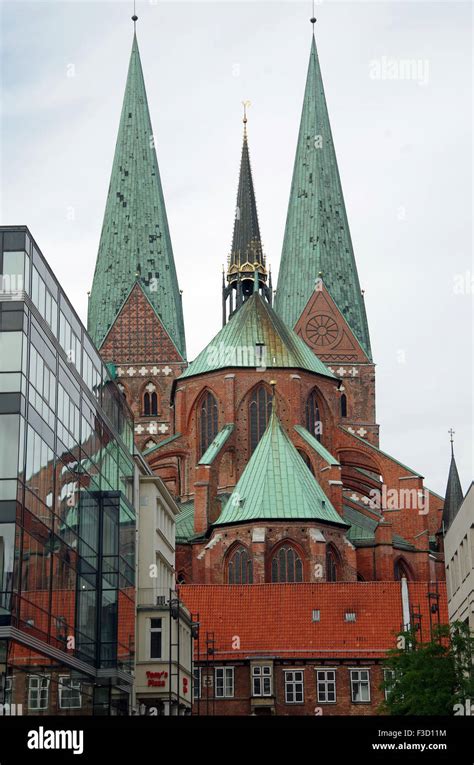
column 317, row 237
column 454, row 495
column 246, row 256
column 135, row 244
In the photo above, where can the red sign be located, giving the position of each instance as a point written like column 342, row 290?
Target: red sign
column 157, row 679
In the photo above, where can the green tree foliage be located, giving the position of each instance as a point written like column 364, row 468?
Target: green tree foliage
column 430, row 678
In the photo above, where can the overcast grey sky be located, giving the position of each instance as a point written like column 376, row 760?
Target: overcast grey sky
column 403, row 145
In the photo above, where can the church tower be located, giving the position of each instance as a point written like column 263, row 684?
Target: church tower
column 135, row 314
column 318, row 291
column 246, row 264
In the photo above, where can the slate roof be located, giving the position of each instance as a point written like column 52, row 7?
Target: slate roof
column 317, row 237
column 256, row 323
column 135, row 236
column 276, row 484
column 246, row 240
column 454, row 495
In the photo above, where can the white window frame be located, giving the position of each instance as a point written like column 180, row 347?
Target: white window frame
column 292, row 682
column 38, row 684
column 325, row 685
column 65, row 686
column 355, row 678
column 227, row 674
column 262, row 679
column 151, row 631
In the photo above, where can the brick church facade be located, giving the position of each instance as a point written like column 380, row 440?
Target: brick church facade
column 268, row 439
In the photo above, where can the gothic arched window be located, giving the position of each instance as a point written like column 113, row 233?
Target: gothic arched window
column 287, row 565
column 401, row 570
column 260, row 408
column 331, row 565
column 239, row 567
column 306, row 460
column 150, row 401
column 343, row 405
column 313, row 419
column 207, row 421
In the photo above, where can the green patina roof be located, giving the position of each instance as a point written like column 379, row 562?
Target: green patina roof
column 185, row 522
column 214, row 448
column 277, row 485
column 316, row 445
column 362, row 529
column 161, row 443
column 317, row 237
column 135, row 237
column 256, row 323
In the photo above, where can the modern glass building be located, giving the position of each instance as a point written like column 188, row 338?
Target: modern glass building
column 67, row 521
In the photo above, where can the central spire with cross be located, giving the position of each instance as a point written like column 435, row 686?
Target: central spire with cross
column 246, row 265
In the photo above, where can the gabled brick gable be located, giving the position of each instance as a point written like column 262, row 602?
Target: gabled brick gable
column 138, row 335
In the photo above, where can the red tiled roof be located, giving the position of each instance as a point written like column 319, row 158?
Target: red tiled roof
column 276, row 619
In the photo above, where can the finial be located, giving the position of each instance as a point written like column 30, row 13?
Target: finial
column 451, row 433
column 245, row 104
column 134, row 17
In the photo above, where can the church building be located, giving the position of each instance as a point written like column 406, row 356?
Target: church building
column 268, row 439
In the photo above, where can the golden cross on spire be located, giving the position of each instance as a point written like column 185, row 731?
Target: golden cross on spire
column 246, row 105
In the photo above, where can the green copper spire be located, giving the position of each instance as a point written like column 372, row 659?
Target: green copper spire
column 317, row 237
column 277, row 484
column 135, row 243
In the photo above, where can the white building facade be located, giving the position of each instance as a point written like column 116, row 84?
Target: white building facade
column 459, row 557
column 163, row 666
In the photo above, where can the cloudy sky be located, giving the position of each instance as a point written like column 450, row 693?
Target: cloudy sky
column 403, row 145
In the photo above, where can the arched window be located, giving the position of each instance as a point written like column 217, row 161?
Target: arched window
column 343, row 405
column 313, row 419
column 239, row 567
column 331, row 565
column 306, row 460
column 150, row 401
column 207, row 421
column 260, row 408
column 287, row 565
column 401, row 570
